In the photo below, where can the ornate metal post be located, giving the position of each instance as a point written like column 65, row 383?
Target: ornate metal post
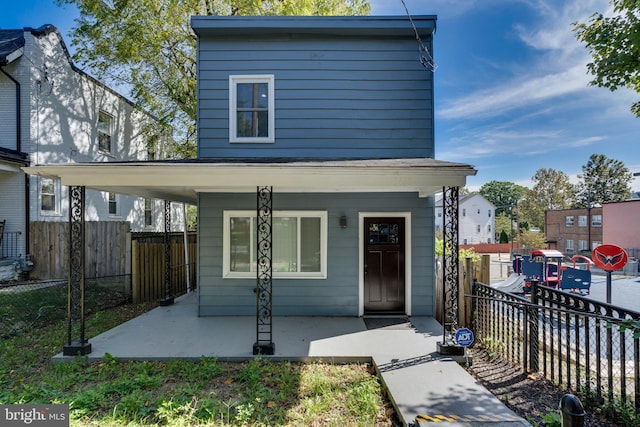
column 264, row 281
column 450, row 272
column 76, row 342
column 168, row 291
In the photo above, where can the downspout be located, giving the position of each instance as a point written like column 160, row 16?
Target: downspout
column 19, row 150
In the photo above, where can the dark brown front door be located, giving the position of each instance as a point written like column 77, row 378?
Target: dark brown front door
column 384, row 286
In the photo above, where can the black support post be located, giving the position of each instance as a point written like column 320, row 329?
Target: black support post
column 168, row 288
column 450, row 272
column 264, row 281
column 76, row 344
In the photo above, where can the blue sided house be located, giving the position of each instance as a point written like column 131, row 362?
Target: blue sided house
column 333, row 119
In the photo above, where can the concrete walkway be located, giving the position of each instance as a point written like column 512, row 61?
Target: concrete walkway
column 424, row 386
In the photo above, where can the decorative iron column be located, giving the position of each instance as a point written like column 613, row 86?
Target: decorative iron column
column 450, row 271
column 168, row 291
column 264, row 281
column 76, row 344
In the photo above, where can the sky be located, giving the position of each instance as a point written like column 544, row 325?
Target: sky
column 512, row 91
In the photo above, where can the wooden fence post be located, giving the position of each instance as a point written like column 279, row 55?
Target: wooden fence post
column 135, row 272
column 485, row 269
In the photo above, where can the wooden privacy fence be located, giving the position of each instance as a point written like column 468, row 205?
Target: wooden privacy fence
column 149, row 266
column 107, row 251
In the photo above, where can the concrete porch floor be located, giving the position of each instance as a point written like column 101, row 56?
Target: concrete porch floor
column 421, row 382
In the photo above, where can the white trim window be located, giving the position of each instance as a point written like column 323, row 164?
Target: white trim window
column 49, row 196
column 251, row 109
column 568, row 221
column 569, row 246
column 299, row 244
column 113, row 200
column 582, row 220
column 596, row 220
column 105, row 132
column 148, row 213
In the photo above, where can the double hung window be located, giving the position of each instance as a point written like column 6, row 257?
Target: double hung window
column 299, row 240
column 251, row 108
column 105, row 130
column 49, row 196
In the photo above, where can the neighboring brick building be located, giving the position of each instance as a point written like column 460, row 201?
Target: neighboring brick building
column 573, row 231
column 622, row 227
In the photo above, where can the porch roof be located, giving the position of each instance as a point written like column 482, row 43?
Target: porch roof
column 182, row 180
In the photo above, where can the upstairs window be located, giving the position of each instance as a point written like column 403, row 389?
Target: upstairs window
column 596, row 220
column 105, row 132
column 582, row 220
column 251, row 108
column 568, row 221
column 148, row 217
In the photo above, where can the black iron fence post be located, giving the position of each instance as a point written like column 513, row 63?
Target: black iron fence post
column 532, row 327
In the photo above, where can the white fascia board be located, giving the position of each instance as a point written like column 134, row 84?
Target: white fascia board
column 216, row 178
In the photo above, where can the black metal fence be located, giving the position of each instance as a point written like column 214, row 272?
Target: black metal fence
column 581, row 344
column 27, row 305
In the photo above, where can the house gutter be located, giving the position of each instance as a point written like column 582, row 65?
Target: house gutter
column 19, row 150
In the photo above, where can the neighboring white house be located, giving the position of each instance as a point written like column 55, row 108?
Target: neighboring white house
column 52, row 112
column 476, row 223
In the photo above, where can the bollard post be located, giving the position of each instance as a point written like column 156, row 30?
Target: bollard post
column 571, row 411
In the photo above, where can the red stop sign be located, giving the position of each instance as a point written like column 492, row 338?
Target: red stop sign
column 609, row 257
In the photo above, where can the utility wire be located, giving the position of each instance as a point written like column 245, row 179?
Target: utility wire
column 424, row 56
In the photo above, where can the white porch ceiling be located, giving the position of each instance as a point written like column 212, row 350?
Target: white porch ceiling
column 183, row 180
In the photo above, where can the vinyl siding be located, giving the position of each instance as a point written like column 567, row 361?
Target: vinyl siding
column 337, row 295
column 345, row 97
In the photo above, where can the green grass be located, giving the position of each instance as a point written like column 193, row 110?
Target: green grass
column 185, row 393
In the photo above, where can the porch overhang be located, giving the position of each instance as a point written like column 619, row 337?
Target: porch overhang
column 183, row 180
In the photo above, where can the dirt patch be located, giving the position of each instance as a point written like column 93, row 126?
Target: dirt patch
column 528, row 395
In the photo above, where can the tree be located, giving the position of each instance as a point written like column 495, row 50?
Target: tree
column 148, row 47
column 603, row 180
column 529, row 240
column 504, row 195
column 504, row 238
column 614, row 45
column 504, row 225
column 551, row 190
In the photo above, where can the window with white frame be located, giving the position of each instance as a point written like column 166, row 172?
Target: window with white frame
column 299, row 244
column 569, row 246
column 583, row 245
column 49, row 196
column 596, row 220
column 595, row 244
column 105, row 132
column 464, row 212
column 114, row 208
column 582, row 220
column 489, row 211
column 478, row 228
column 251, row 108
column 568, row 221
column 148, row 216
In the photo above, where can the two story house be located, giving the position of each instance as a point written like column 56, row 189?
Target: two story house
column 330, row 118
column 476, row 219
column 51, row 112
